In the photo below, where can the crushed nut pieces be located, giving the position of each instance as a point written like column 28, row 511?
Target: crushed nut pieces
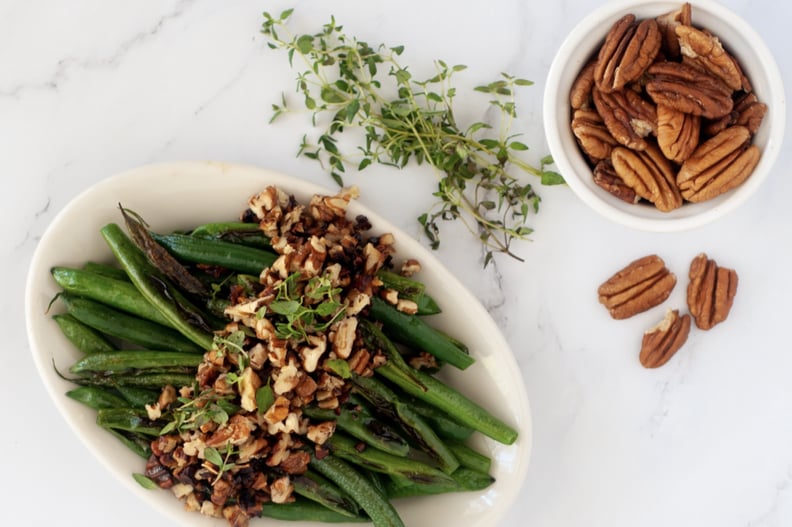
column 646, row 283
column 665, row 109
column 227, row 467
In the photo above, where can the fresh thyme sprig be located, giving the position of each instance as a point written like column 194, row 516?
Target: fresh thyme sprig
column 304, row 307
column 405, row 119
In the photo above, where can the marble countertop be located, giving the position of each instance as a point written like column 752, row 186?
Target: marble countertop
column 89, row 88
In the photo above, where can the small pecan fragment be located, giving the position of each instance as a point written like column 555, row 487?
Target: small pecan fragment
column 677, row 133
column 718, row 165
column 711, row 291
column 606, row 177
column 629, row 49
column 668, row 23
column 593, row 136
column 643, row 284
column 706, row 50
column 650, row 174
column 688, row 89
column 662, row 341
column 629, row 117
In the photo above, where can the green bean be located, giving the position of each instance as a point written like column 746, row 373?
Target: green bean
column 234, row 232
column 372, row 459
column 465, row 479
column 389, row 404
column 416, row 333
column 358, row 423
column 469, row 458
column 124, row 326
column 471, row 479
column 410, row 289
column 229, row 255
column 316, row 487
column 119, row 361
column 107, row 270
column 379, row 509
column 454, row 403
column 137, row 397
column 303, row 510
column 127, row 419
column 141, row 380
column 85, row 338
column 188, row 319
column 97, row 397
column 137, row 443
column 440, row 422
column 120, row 294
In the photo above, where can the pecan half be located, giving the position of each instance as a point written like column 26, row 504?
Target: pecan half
column 711, row 291
column 662, row 341
column 677, row 133
column 593, row 136
column 707, row 51
column 667, row 24
column 643, row 284
column 718, row 165
column 629, row 117
column 688, row 89
column 629, row 49
column 580, row 94
column 606, row 178
column 748, row 112
column 650, row 174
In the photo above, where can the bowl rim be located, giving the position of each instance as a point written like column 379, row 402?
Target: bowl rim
column 571, row 164
column 163, row 502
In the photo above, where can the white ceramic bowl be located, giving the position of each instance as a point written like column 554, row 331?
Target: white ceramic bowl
column 181, row 195
column 584, row 41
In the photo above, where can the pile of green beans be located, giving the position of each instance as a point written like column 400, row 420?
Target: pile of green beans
column 402, row 433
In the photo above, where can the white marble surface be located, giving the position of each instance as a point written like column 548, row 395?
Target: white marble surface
column 92, row 87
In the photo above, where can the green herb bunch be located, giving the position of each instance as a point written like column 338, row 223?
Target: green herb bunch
column 405, row 119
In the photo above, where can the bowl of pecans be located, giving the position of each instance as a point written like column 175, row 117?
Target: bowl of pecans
column 664, row 116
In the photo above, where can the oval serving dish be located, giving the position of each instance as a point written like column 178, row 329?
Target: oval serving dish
column 182, row 195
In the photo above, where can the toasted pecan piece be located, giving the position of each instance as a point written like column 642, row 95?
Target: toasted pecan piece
column 677, row 133
column 643, row 284
column 606, row 178
column 662, row 341
column 592, row 135
column 629, row 48
column 718, row 165
column 710, row 292
column 650, row 174
column 706, row 50
column 628, row 116
column 688, row 89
